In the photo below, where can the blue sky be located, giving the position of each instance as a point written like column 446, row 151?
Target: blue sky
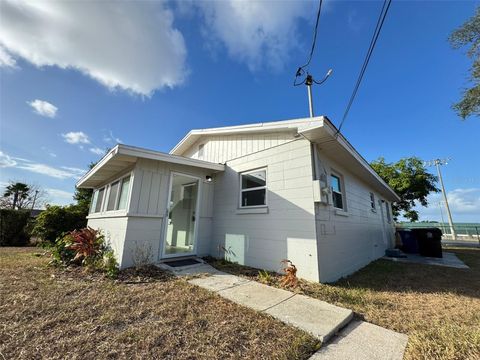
column 145, row 73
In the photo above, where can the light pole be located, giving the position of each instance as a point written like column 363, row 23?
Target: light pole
column 34, row 199
column 437, row 163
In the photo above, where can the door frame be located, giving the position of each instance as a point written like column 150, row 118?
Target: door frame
column 197, row 217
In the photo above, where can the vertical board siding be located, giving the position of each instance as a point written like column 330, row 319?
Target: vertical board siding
column 287, row 230
column 348, row 243
column 219, row 149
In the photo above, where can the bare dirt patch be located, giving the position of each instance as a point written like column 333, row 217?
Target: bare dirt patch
column 58, row 314
column 437, row 307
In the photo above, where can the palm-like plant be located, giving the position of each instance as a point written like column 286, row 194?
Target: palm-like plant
column 18, row 190
column 87, row 243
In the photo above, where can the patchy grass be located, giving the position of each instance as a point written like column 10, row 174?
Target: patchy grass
column 51, row 313
column 438, row 307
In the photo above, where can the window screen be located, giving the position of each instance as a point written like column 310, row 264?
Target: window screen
column 99, row 203
column 112, row 197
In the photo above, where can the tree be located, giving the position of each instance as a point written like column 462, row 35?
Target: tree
column 469, row 35
column 84, row 196
column 19, row 196
column 411, row 182
column 15, row 192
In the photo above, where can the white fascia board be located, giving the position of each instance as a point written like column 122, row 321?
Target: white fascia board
column 156, row 155
column 136, row 152
column 100, row 164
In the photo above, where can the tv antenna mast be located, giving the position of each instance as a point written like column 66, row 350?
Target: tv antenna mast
column 437, row 163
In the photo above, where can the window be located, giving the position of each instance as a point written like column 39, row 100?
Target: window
column 200, row 151
column 253, row 191
column 337, row 192
column 112, row 197
column 372, row 201
column 93, row 204
column 387, row 206
column 99, row 202
column 122, row 201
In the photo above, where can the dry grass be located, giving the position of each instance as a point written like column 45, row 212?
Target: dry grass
column 50, row 313
column 438, row 307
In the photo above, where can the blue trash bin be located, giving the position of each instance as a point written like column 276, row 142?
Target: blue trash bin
column 409, row 241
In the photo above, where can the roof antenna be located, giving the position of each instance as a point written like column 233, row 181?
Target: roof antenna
column 309, row 81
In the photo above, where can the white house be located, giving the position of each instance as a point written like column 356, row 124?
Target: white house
column 255, row 194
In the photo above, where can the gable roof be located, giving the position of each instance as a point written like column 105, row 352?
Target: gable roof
column 318, row 130
column 272, row 126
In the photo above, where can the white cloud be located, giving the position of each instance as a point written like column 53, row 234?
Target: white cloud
column 258, row 33
column 6, row 60
column 6, row 160
column 76, row 137
column 97, row 150
column 64, row 172
column 129, row 45
column 59, row 197
column 43, row 108
column 464, row 205
column 111, row 139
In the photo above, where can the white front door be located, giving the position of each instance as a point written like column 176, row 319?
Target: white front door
column 181, row 223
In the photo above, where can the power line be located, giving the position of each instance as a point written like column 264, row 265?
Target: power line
column 376, row 33
column 300, row 70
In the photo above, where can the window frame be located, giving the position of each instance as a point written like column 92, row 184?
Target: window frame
column 341, row 183
column 241, row 191
column 373, row 204
column 106, row 195
column 388, row 212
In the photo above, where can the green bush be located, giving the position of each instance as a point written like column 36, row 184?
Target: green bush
column 55, row 221
column 85, row 247
column 13, row 227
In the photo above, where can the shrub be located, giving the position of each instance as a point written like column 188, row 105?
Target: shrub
column 13, row 227
column 84, row 247
column 55, row 221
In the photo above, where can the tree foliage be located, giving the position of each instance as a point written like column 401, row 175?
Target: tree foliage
column 84, row 196
column 57, row 220
column 410, row 180
column 469, row 35
column 18, row 195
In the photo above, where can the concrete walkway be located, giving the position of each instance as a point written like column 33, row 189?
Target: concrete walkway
column 449, row 260
column 349, row 339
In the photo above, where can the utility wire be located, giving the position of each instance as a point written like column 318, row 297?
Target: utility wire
column 301, row 70
column 376, row 33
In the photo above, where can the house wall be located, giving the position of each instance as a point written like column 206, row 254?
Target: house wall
column 349, row 240
column 138, row 237
column 221, row 148
column 283, row 230
column 114, row 229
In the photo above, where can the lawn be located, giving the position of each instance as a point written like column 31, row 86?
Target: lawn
column 438, row 307
column 51, row 313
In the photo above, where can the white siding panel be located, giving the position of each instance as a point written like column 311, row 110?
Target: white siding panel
column 287, row 231
column 221, row 148
column 347, row 243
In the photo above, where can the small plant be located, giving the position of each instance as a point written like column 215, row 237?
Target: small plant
column 86, row 243
column 290, row 277
column 86, row 247
column 265, row 277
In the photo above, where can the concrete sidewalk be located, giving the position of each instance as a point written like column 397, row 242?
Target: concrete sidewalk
column 349, row 340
